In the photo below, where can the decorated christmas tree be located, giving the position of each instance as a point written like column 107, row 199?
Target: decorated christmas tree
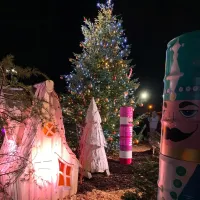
column 103, row 71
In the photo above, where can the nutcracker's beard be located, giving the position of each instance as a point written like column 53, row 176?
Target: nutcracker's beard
column 176, row 135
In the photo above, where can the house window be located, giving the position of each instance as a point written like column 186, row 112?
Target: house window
column 49, row 129
column 64, row 174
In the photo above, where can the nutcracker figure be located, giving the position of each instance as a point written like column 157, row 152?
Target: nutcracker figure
column 179, row 165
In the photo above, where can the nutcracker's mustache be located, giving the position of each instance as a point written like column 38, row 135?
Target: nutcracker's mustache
column 177, row 135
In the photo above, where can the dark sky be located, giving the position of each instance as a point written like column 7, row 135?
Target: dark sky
column 44, row 33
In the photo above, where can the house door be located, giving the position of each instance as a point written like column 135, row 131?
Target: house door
column 43, row 172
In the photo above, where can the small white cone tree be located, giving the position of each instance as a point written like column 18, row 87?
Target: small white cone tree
column 92, row 153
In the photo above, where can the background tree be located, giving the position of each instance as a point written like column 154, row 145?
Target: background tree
column 18, row 105
column 15, row 92
column 103, row 71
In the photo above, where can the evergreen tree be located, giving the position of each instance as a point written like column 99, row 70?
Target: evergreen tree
column 16, row 94
column 102, row 71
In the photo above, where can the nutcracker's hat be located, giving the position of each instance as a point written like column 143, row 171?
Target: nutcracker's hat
column 182, row 68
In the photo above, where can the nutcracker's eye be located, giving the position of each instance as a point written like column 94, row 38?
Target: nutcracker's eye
column 188, row 113
column 188, row 109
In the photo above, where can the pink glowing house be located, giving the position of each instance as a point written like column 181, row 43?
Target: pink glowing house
column 35, row 159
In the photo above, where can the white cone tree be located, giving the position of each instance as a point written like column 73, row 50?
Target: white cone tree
column 92, row 153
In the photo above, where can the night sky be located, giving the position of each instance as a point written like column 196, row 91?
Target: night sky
column 44, row 34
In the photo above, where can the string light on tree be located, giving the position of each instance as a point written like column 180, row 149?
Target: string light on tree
column 102, row 71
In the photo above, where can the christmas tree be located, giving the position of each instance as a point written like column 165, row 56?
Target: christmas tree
column 102, row 71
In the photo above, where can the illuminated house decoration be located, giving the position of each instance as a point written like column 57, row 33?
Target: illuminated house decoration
column 35, row 159
column 92, row 145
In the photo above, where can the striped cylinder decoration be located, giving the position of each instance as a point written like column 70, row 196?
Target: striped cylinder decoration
column 126, row 130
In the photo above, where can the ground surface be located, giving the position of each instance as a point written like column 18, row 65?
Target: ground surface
column 120, row 181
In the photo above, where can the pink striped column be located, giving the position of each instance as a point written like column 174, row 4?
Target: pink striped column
column 126, row 130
